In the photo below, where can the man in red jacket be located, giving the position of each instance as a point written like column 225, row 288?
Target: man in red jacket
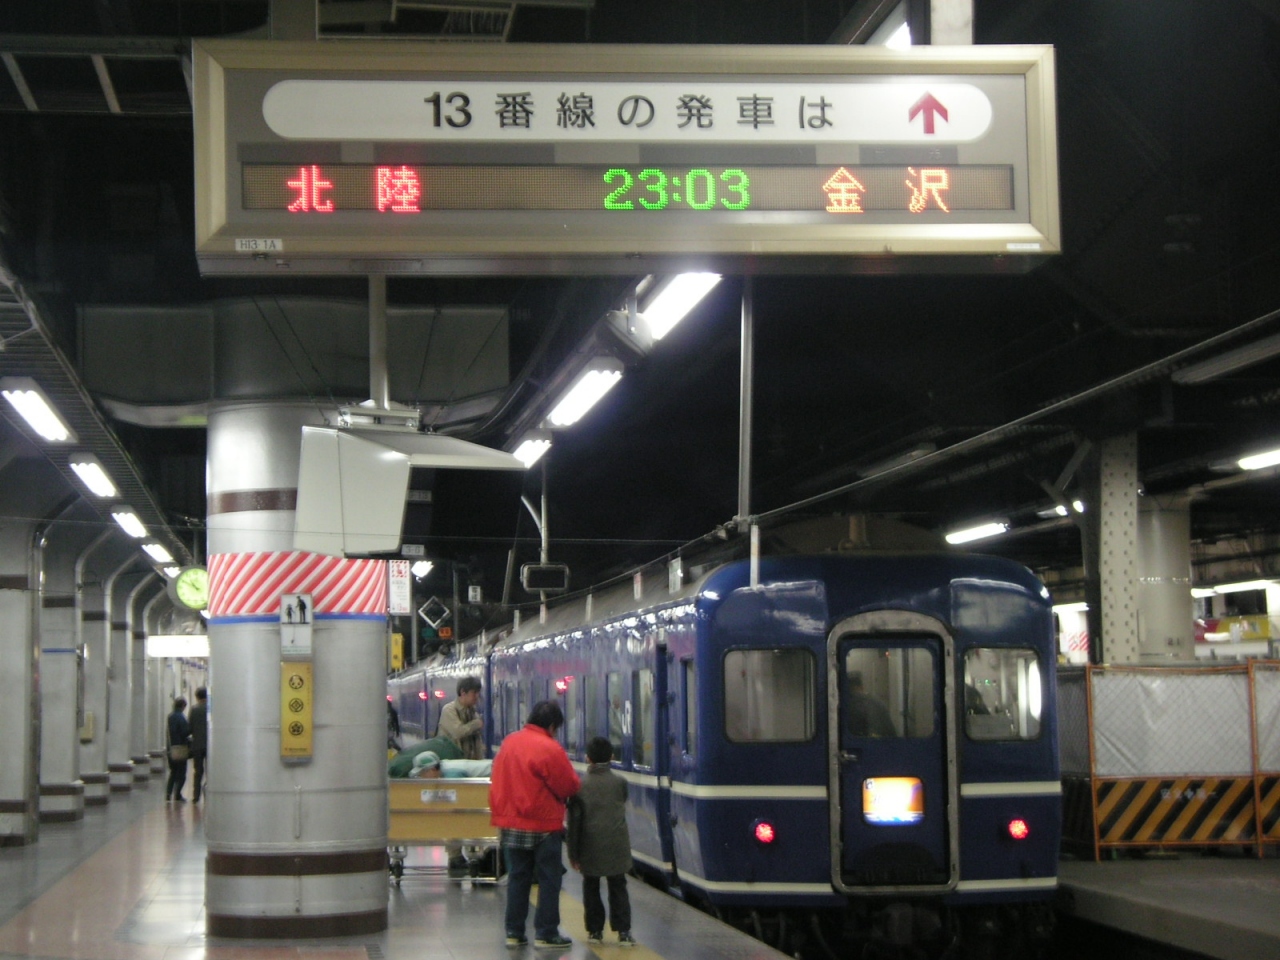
column 532, row 779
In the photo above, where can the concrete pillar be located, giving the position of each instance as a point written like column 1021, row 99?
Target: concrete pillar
column 60, row 543
column 120, row 672
column 159, row 694
column 27, row 488
column 141, row 594
column 296, row 849
column 1165, row 611
column 951, row 22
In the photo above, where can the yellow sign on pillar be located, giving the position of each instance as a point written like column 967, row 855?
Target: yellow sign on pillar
column 397, row 651
column 297, row 694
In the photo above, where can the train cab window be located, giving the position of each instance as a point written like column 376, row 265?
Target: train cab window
column 1002, row 694
column 888, row 692
column 690, row 708
column 617, row 712
column 642, row 745
column 768, row 695
column 596, row 724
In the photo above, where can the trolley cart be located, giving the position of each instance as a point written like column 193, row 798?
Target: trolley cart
column 432, row 812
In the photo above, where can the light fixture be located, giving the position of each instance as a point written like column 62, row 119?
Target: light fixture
column 1259, row 460
column 421, row 568
column 171, row 572
column 1229, row 362
column 532, row 447
column 131, row 525
column 1242, row 586
column 1079, row 607
column 1203, row 593
column 29, row 400
column 89, row 470
column 1060, row 510
column 673, row 298
column 981, row 532
column 158, row 553
column 893, row 31
column 590, row 385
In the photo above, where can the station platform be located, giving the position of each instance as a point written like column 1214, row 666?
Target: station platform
column 1224, row 907
column 127, row 883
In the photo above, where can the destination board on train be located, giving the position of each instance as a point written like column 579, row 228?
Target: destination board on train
column 386, row 157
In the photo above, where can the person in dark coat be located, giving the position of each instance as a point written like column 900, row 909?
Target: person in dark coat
column 179, row 743
column 198, row 718
column 600, row 844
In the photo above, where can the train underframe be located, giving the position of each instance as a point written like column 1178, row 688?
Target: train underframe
column 886, row 929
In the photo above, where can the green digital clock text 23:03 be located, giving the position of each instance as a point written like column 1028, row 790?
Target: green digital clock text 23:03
column 697, row 189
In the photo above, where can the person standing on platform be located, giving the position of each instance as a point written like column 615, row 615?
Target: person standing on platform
column 460, row 723
column 600, row 844
column 179, row 749
column 532, row 780
column 198, row 720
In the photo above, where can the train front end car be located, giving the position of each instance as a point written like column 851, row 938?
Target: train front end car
column 848, row 748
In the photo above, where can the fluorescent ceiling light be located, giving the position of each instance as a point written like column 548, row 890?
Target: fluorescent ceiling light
column 674, row 299
column 169, row 645
column 27, row 398
column 1079, row 607
column 1259, row 460
column 532, row 447
column 421, row 568
column 158, row 553
column 1060, row 510
column 91, row 474
column 130, row 523
column 1200, row 593
column 1229, row 362
column 1242, row 586
column 980, row 532
column 592, row 384
column 171, row 572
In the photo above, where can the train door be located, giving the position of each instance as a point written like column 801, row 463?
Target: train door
column 892, row 758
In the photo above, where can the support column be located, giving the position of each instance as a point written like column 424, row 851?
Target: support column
column 1165, row 610
column 159, row 696
column 59, row 543
column 296, row 849
column 120, row 674
column 94, row 569
column 1112, row 524
column 141, row 677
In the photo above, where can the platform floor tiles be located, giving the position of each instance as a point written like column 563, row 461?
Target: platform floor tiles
column 127, row 883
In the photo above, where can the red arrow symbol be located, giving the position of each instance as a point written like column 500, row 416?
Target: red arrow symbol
column 929, row 105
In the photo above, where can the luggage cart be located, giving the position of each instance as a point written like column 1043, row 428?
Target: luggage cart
column 432, row 812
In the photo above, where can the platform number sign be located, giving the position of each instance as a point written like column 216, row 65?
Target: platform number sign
column 296, row 703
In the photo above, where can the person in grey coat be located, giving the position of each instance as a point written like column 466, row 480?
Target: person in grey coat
column 462, row 724
column 600, row 845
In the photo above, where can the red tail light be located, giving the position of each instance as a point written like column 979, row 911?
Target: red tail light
column 763, row 831
column 422, row 695
column 1019, row 830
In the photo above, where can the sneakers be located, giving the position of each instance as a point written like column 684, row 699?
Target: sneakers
column 556, row 941
column 516, row 940
column 595, row 936
column 625, row 939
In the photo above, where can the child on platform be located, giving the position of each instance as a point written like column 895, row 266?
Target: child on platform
column 599, row 844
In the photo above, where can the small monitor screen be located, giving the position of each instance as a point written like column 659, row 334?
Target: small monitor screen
column 892, row 801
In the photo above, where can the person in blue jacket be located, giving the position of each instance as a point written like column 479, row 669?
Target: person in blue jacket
column 179, row 750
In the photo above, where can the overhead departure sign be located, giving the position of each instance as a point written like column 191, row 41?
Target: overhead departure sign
column 319, row 158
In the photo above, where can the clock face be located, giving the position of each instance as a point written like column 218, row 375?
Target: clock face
column 192, row 587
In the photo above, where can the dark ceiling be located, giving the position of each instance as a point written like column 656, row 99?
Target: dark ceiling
column 1168, row 129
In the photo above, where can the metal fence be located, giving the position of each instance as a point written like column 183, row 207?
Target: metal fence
column 1170, row 756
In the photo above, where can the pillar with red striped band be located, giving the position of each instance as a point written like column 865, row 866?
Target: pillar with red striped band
column 295, row 850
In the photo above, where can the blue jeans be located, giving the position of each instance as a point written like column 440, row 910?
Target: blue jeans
column 521, row 866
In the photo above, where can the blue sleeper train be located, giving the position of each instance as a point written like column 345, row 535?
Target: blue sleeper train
column 849, row 748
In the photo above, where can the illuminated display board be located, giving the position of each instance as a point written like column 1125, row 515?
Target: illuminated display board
column 418, row 158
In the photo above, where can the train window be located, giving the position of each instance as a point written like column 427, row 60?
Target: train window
column 889, row 692
column 617, row 713
column 596, row 725
column 1002, row 694
column 572, row 716
column 768, row 695
column 690, row 708
column 642, row 743
column 512, row 712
